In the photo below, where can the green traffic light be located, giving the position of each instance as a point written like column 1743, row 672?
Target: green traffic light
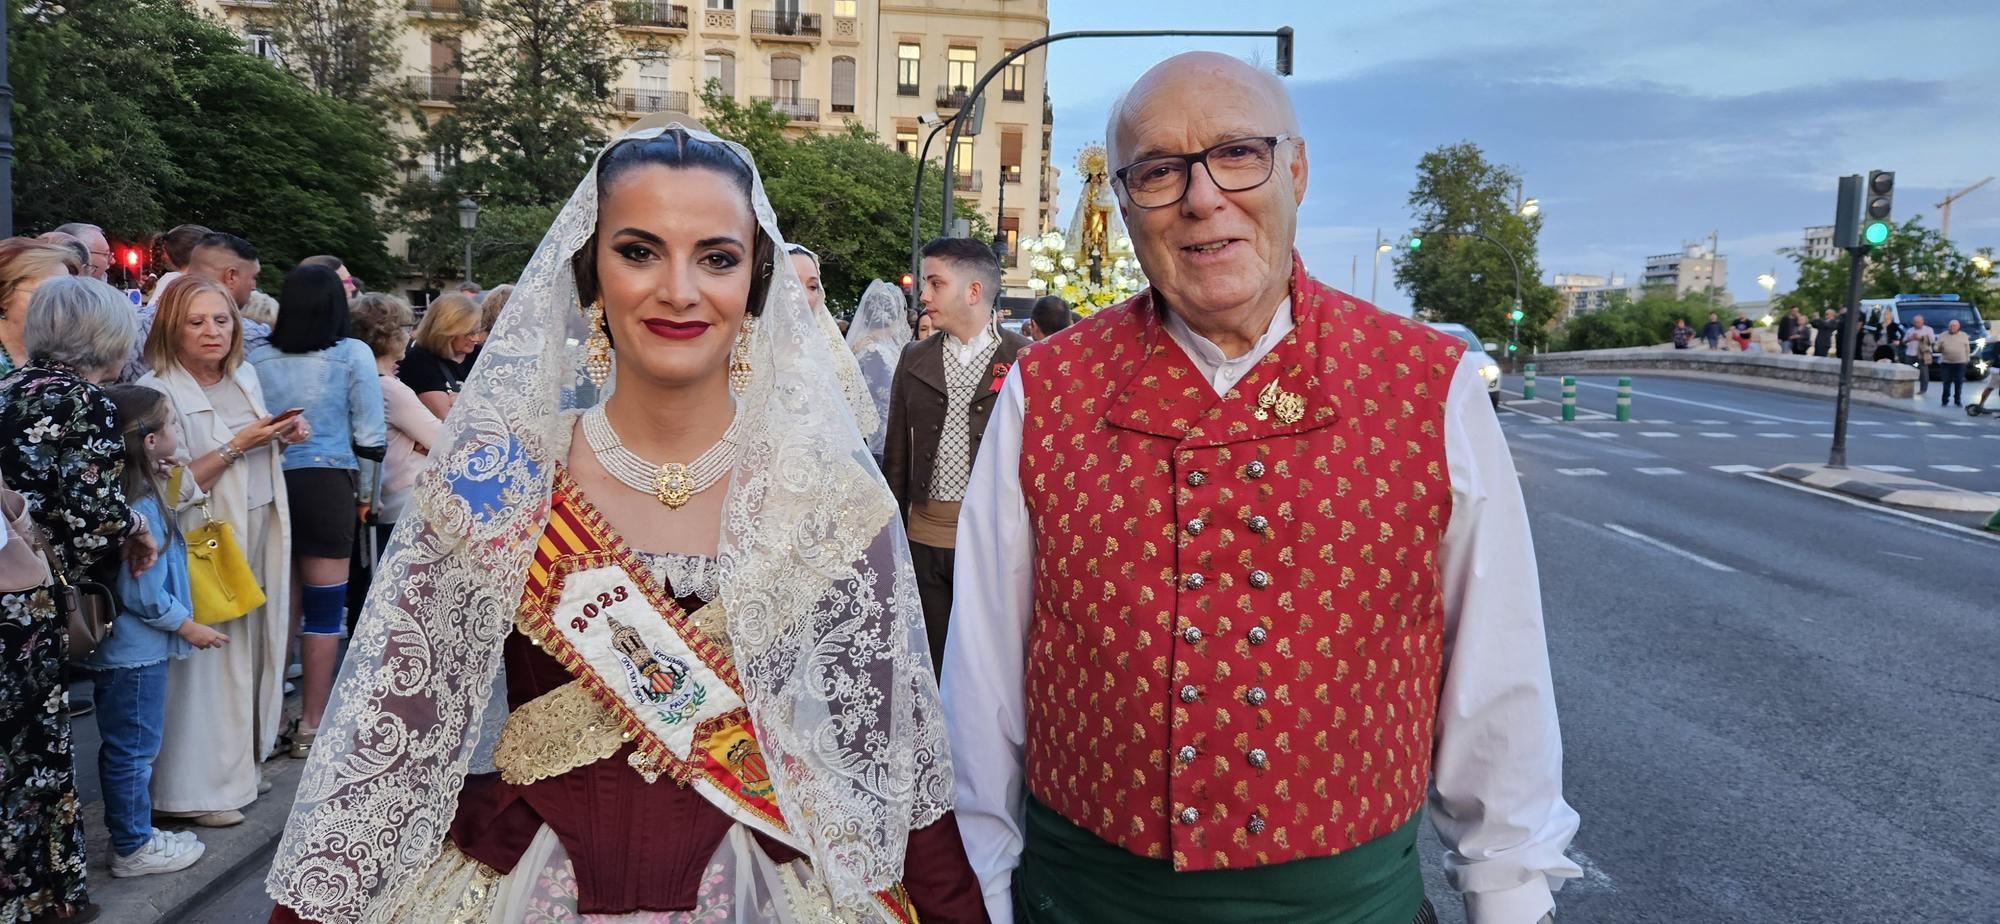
column 1517, row 315
column 1416, row 242
column 1876, row 232
column 1511, row 348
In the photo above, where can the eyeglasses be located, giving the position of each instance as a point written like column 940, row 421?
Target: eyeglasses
column 1233, row 166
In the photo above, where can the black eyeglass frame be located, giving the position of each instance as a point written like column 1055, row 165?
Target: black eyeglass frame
column 1201, row 157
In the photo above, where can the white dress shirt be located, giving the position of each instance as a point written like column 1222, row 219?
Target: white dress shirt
column 965, row 351
column 1497, row 771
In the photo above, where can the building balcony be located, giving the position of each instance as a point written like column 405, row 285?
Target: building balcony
column 969, row 181
column 442, row 8
column 1010, row 175
column 800, row 110
column 1014, row 96
column 841, row 108
column 635, row 101
column 785, row 26
column 1048, row 113
column 906, row 89
column 646, row 14
column 953, row 97
column 437, row 88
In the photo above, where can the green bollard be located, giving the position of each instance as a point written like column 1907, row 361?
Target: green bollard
column 1624, row 400
column 1528, row 382
column 1993, row 522
column 1569, row 397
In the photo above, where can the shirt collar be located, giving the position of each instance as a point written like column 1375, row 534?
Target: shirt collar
column 1206, row 354
column 963, row 351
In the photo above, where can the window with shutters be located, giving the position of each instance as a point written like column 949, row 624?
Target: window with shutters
column 909, row 67
column 1014, row 79
column 785, row 71
column 722, row 4
column 906, row 141
column 962, row 161
column 843, row 84
column 1010, row 155
column 259, row 42
column 843, row 8
column 652, row 73
column 720, row 66
column 961, row 68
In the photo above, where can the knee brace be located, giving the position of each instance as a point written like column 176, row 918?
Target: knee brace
column 325, row 610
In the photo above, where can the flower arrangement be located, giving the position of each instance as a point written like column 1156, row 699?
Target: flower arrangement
column 1056, row 271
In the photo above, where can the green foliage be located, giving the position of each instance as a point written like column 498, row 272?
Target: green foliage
column 844, row 194
column 173, row 121
column 1645, row 322
column 1915, row 261
column 537, row 99
column 1459, row 277
column 346, row 49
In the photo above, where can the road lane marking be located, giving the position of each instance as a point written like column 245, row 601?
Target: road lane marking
column 1660, row 471
column 1580, row 471
column 1534, row 436
column 1597, row 434
column 1710, row 423
column 1920, row 423
column 1866, row 423
column 1737, row 469
column 1659, row 434
column 1891, row 469
column 1949, row 436
column 1900, row 555
column 1669, row 547
column 1594, row 876
column 1963, row 423
column 1777, row 436
column 1892, row 436
column 1718, row 436
column 1978, row 534
column 1704, row 405
column 1956, row 468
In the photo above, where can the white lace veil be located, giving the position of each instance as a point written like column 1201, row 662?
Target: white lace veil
column 815, row 578
column 877, row 335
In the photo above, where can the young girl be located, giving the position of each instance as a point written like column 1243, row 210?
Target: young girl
column 155, row 622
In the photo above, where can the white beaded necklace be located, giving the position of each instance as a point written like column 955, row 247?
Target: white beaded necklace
column 672, row 483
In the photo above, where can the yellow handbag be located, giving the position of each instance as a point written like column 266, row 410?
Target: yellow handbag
column 224, row 586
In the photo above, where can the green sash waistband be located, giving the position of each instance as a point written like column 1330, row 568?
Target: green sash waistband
column 1070, row 876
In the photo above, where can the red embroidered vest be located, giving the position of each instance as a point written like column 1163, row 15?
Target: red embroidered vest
column 1234, row 657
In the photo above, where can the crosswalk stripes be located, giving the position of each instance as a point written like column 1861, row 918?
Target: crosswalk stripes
column 1955, row 468
column 1581, row 471
column 1718, row 436
column 1660, row 471
column 1736, row 469
column 1659, row 434
column 1888, row 469
column 1777, row 436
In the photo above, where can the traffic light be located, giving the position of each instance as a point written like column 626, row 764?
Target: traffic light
column 1416, row 242
column 132, row 259
column 1517, row 315
column 1512, row 347
column 908, row 281
column 1881, row 195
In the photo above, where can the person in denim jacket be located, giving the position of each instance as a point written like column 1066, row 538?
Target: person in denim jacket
column 312, row 364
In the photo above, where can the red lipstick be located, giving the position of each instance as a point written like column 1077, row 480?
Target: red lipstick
column 677, row 330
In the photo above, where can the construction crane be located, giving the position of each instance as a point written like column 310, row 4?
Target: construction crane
column 1944, row 208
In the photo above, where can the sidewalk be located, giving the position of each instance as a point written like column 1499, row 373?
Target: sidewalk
column 233, row 853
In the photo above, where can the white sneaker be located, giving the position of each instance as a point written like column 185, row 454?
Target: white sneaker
column 185, row 837
column 294, row 671
column 165, row 853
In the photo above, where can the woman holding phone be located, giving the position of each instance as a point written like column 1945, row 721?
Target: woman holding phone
column 312, row 363
column 224, row 705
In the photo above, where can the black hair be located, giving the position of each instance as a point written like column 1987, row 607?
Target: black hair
column 969, row 256
column 327, row 260
column 674, row 148
column 142, row 412
column 312, row 311
column 240, row 248
column 1051, row 314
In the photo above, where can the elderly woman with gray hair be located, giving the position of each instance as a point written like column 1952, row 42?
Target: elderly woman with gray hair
column 60, row 447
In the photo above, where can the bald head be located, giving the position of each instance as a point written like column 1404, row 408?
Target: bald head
column 1200, row 79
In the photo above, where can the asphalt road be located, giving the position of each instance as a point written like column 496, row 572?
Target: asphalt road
column 1777, row 706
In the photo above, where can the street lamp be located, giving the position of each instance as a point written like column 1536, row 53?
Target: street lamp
column 1770, row 282
column 938, row 123
column 1982, row 263
column 1375, row 276
column 468, row 221
column 1531, row 208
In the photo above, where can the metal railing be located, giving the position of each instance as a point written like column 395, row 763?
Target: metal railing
column 443, row 7
column 1014, row 96
column 971, row 180
column 651, row 14
column 636, row 100
column 952, row 97
column 906, row 89
column 438, row 87
column 802, row 110
column 783, row 22
column 1010, row 174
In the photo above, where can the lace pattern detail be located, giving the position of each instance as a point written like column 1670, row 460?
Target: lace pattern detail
column 684, row 575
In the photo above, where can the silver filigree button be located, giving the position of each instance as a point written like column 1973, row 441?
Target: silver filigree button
column 1197, row 479
column 1191, row 634
column 1195, row 580
column 1259, row 524
column 1260, row 580
column 1255, row 697
column 1189, row 815
column 1257, row 758
column 1190, row 694
column 1257, row 635
column 1256, row 824
column 1254, row 469
column 1195, row 527
column 1187, row 753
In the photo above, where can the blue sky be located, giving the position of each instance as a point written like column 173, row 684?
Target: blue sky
column 1638, row 125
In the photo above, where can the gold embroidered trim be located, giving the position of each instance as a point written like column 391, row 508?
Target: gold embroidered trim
column 555, row 733
column 455, row 889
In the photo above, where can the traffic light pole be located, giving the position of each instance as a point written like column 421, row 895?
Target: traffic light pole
column 1850, row 334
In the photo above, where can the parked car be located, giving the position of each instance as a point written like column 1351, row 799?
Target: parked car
column 1488, row 368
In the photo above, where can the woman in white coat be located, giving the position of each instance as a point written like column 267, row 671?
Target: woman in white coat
column 224, row 706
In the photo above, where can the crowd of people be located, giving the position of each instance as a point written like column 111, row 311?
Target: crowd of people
column 1881, row 337
column 199, row 406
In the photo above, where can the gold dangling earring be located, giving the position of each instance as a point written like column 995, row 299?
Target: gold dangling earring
column 739, row 358
column 597, row 356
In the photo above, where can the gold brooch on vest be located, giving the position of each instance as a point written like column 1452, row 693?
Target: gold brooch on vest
column 1289, row 406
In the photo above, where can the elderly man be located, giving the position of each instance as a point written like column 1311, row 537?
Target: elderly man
column 93, row 240
column 348, row 283
column 1217, row 632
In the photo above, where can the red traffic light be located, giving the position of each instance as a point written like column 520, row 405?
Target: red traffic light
column 132, row 257
column 908, row 280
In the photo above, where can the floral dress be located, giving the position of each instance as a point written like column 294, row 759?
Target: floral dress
column 59, row 447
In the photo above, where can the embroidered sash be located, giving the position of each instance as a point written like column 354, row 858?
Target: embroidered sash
column 654, row 675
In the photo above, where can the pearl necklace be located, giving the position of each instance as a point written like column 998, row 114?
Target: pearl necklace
column 672, row 483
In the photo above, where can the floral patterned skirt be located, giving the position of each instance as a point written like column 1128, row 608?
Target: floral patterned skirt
column 741, row 885
column 41, row 835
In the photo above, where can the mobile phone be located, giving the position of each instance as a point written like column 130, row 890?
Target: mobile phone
column 287, row 414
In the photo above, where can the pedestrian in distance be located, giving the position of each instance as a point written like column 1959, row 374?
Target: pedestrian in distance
column 1889, row 348
column 1954, row 352
column 1711, row 333
column 1740, row 333
column 1799, row 341
column 1787, row 326
column 1920, row 349
column 155, row 624
column 1049, row 317
column 1683, row 334
column 1824, row 331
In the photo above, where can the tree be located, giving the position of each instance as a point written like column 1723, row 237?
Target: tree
column 1459, row 277
column 1624, row 322
column 345, row 49
column 1914, row 260
column 174, row 121
column 536, row 102
column 844, row 194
